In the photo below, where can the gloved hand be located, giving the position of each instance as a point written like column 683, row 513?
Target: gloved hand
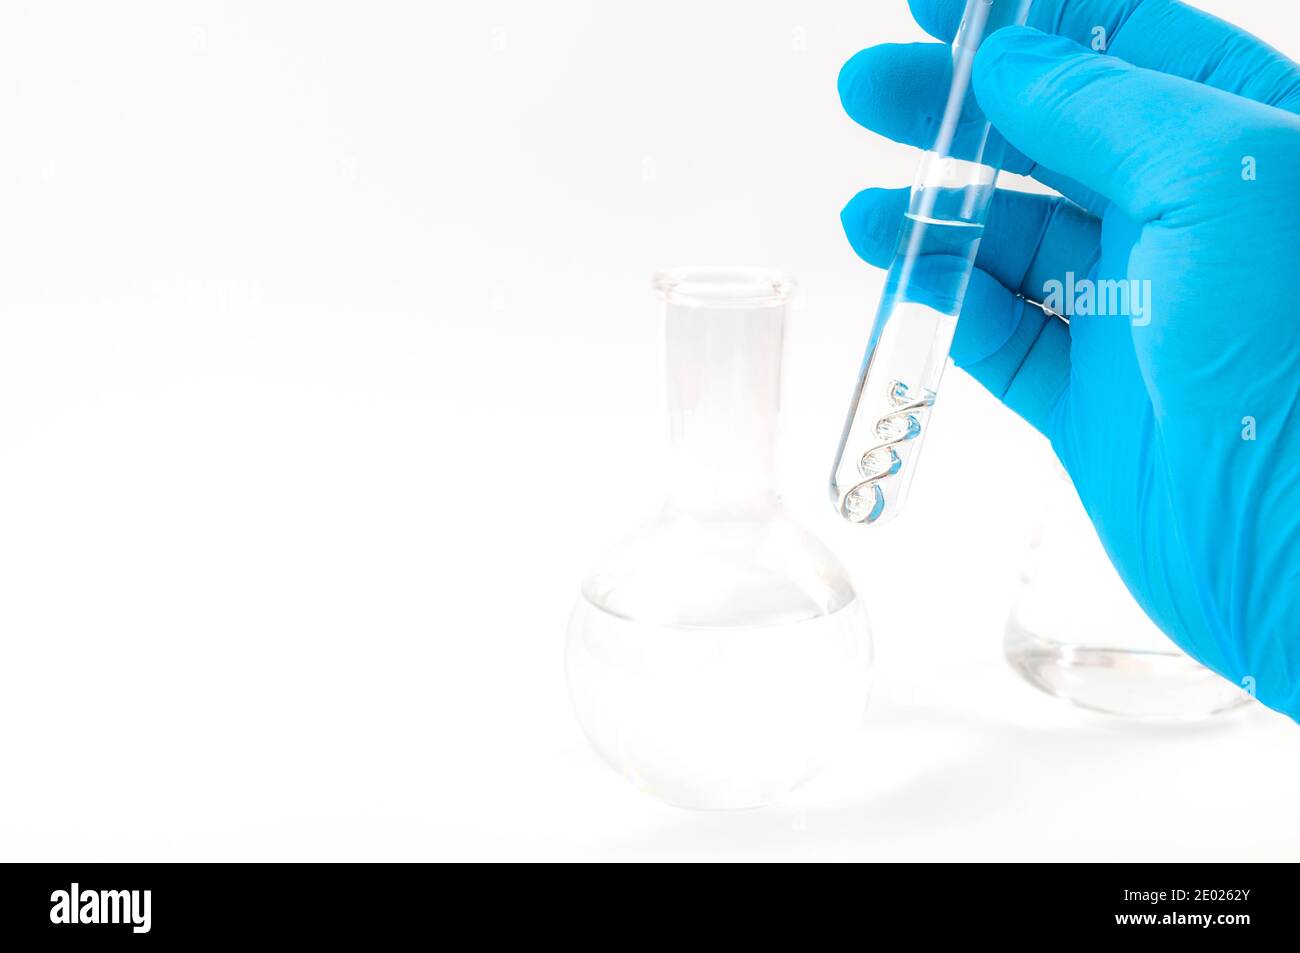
column 1178, row 151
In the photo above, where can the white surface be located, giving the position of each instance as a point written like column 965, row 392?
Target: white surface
column 328, row 365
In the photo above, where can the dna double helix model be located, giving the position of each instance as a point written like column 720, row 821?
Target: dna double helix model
column 865, row 501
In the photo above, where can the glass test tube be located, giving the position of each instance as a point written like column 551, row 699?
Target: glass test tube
column 924, row 289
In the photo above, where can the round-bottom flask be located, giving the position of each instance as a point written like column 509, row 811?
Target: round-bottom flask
column 1077, row 633
column 718, row 656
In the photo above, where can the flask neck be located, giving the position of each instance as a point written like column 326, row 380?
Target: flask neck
column 724, row 387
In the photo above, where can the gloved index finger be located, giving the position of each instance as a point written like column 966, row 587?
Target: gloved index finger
column 900, row 91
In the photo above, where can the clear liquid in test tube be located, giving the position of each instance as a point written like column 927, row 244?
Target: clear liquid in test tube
column 924, row 289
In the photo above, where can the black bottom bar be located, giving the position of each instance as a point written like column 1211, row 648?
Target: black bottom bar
column 95, row 905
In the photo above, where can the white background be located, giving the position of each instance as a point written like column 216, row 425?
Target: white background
column 328, row 367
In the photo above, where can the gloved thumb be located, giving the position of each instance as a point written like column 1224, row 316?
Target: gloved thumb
column 1144, row 140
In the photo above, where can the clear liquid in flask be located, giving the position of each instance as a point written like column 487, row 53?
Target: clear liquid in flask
column 719, row 717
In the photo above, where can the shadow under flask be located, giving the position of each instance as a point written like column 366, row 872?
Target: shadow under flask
column 718, row 656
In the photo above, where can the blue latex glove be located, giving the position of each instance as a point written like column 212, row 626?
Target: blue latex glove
column 1180, row 148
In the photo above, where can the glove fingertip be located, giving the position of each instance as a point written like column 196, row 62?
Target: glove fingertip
column 871, row 219
column 939, row 18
